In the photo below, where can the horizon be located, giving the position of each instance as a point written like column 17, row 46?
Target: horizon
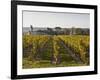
column 59, row 26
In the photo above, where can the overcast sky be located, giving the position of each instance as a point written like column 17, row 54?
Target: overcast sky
column 52, row 19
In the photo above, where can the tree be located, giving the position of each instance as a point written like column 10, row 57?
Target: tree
column 58, row 29
column 50, row 31
column 78, row 31
column 31, row 28
column 66, row 31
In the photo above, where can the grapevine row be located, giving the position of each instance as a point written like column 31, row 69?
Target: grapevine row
column 32, row 45
column 76, row 44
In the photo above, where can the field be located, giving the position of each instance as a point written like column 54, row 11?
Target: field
column 40, row 51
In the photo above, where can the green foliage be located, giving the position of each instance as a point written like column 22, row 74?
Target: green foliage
column 78, row 44
column 43, row 50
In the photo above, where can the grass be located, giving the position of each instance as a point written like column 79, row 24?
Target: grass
column 46, row 63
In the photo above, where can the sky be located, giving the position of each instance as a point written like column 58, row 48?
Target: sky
column 56, row 19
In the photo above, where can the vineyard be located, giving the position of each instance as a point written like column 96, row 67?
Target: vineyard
column 55, row 50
